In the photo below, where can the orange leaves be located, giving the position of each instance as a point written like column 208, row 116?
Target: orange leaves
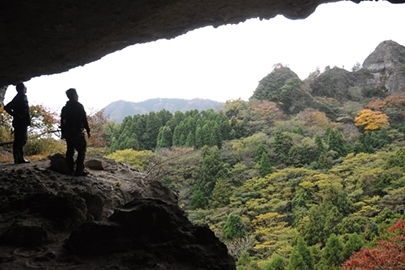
column 371, row 120
column 313, row 117
column 387, row 255
column 376, row 105
column 97, row 122
column 267, row 110
column 397, row 101
column 43, row 120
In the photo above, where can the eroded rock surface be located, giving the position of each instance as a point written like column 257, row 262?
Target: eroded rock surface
column 115, row 218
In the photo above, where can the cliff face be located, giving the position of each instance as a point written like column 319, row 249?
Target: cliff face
column 382, row 74
column 115, row 218
column 387, row 64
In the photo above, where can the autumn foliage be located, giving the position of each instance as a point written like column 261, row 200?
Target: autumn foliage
column 371, row 120
column 387, row 255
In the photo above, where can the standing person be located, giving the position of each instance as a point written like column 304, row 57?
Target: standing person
column 19, row 109
column 73, row 124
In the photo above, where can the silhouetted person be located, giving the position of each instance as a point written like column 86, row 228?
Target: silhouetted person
column 20, row 110
column 73, row 124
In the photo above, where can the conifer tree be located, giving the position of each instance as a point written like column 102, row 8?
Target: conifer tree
column 323, row 161
column 198, row 200
column 265, row 165
column 212, row 169
column 336, row 142
column 277, row 263
column 282, row 145
column 320, row 148
column 220, row 194
column 199, row 141
column 234, row 227
column 331, row 257
column 301, row 257
column 190, row 141
column 353, row 244
column 165, row 137
column 259, row 151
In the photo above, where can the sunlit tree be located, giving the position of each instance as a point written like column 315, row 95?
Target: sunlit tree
column 371, row 120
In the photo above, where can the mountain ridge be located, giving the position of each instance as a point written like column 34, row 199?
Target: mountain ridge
column 118, row 110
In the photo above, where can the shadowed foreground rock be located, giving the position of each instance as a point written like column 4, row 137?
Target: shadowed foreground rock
column 115, row 218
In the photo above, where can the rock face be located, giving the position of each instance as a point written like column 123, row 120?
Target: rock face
column 382, row 74
column 52, row 37
column 115, row 218
column 387, row 64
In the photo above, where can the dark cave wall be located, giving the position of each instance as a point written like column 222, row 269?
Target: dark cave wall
column 49, row 37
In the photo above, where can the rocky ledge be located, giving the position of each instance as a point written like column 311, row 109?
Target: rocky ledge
column 114, row 218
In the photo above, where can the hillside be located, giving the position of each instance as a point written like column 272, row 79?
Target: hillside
column 118, row 110
column 306, row 174
column 304, row 170
column 382, row 74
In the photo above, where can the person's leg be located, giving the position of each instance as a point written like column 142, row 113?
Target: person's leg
column 70, row 151
column 16, row 152
column 18, row 144
column 24, row 139
column 81, row 146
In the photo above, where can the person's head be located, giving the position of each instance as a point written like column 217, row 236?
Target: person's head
column 21, row 88
column 72, row 94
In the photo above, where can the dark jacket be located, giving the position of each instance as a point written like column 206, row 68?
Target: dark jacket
column 20, row 110
column 73, row 119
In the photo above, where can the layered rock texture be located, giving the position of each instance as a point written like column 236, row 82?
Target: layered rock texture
column 115, row 218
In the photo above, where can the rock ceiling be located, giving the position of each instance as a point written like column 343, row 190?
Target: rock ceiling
column 48, row 37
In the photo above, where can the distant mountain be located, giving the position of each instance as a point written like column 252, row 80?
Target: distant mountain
column 118, row 110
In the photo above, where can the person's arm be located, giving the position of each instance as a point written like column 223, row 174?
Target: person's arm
column 9, row 107
column 85, row 122
column 62, row 123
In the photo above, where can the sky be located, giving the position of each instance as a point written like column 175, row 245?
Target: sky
column 226, row 63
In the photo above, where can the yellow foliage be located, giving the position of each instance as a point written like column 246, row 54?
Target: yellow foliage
column 136, row 159
column 371, row 120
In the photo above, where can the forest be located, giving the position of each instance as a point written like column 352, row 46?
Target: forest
column 319, row 187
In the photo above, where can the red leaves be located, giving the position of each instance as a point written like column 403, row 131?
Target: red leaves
column 387, row 255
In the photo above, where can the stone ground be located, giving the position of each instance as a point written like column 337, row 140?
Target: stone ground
column 114, row 218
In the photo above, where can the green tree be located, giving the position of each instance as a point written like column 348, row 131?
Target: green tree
column 221, row 193
column 212, row 169
column 165, row 137
column 259, row 151
column 313, row 230
column 301, row 257
column 234, row 227
column 190, row 141
column 353, row 244
column 199, row 139
column 336, row 142
column 282, row 145
column 323, row 161
column 277, row 263
column 198, row 200
column 331, row 257
column 265, row 165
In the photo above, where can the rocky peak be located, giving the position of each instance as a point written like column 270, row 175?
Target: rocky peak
column 333, row 83
column 387, row 65
column 387, row 55
column 270, row 85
